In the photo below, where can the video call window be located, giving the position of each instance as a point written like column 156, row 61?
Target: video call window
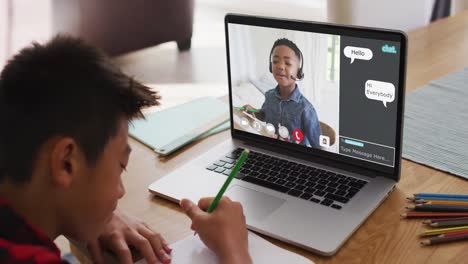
column 317, row 90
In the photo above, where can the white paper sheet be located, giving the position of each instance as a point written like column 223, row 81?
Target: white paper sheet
column 192, row 250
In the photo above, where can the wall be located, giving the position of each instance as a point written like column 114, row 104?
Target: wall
column 30, row 20
column 404, row 15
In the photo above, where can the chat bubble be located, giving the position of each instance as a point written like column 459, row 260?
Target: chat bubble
column 380, row 91
column 357, row 53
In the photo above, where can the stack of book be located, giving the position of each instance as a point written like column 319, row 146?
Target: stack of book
column 447, row 216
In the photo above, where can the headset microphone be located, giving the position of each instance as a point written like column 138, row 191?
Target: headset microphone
column 295, row 79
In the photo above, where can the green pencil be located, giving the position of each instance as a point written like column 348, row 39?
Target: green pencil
column 250, row 110
column 234, row 172
column 231, row 176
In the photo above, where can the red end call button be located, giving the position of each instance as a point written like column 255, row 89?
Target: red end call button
column 297, row 135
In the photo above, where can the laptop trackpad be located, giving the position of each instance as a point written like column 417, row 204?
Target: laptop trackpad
column 257, row 205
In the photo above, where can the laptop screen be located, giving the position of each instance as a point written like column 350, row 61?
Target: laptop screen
column 332, row 92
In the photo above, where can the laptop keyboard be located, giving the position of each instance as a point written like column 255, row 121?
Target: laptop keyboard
column 316, row 185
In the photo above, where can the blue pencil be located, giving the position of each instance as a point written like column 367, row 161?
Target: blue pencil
column 442, row 195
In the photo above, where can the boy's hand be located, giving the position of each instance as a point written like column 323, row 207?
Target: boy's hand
column 248, row 107
column 124, row 230
column 224, row 230
column 259, row 114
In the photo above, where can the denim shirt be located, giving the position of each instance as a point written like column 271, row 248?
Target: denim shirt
column 294, row 113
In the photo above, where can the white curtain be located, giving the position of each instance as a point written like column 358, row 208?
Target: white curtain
column 315, row 51
column 242, row 59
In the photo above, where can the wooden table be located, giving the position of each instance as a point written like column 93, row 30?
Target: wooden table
column 434, row 51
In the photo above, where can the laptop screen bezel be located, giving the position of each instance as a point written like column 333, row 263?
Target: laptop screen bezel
column 313, row 154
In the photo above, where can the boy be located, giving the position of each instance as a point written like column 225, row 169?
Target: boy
column 285, row 106
column 64, row 110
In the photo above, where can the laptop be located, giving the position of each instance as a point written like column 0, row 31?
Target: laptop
column 320, row 108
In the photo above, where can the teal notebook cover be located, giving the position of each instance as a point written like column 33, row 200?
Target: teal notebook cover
column 168, row 130
column 220, row 128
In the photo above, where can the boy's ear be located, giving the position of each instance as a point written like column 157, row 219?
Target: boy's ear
column 64, row 161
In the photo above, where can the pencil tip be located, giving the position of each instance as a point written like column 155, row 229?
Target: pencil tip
column 403, row 215
column 425, row 243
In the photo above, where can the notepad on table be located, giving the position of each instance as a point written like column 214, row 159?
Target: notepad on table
column 192, row 250
column 168, row 130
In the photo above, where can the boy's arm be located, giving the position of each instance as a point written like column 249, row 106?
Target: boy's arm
column 311, row 126
column 260, row 115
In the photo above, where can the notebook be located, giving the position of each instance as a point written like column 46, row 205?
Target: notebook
column 192, row 250
column 168, row 130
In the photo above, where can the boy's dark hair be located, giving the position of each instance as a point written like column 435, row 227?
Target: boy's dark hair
column 62, row 88
column 288, row 43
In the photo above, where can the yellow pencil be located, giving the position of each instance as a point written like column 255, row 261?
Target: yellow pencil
column 439, row 231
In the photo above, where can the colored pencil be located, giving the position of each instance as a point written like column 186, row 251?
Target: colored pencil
column 417, row 198
column 438, row 220
column 228, row 180
column 439, row 231
column 454, row 234
column 441, row 195
column 441, row 202
column 421, row 199
column 439, row 240
column 427, row 214
column 233, row 173
column 449, row 223
column 438, row 208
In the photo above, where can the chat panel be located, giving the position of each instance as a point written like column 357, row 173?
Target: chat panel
column 368, row 99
